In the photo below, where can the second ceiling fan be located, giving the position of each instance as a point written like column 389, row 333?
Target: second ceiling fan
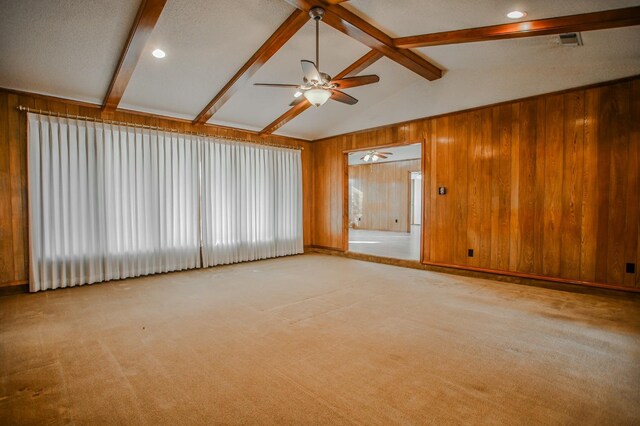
column 318, row 87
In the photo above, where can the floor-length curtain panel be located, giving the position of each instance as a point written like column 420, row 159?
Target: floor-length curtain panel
column 108, row 201
column 251, row 202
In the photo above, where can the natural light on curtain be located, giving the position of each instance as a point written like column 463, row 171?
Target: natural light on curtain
column 251, row 202
column 109, row 202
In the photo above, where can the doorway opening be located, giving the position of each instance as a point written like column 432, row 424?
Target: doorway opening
column 385, row 201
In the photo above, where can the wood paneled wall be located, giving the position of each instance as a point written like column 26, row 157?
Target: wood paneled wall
column 13, row 169
column 546, row 186
column 385, row 195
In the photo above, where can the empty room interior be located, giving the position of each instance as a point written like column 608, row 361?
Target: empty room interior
column 319, row 212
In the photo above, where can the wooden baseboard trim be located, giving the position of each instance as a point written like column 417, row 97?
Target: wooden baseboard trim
column 536, row 277
column 13, row 283
column 497, row 275
column 7, row 290
column 322, row 249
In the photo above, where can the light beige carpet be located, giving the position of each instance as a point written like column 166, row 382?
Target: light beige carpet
column 318, row 339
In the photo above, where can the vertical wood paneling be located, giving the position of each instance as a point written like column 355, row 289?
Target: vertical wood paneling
column 618, row 137
column 430, row 227
column 459, row 194
column 474, row 188
column 486, row 206
column 554, row 141
column 7, row 267
column 442, row 250
column 538, row 225
column 335, row 197
column 426, row 189
column 525, row 209
column 514, row 207
column 501, row 187
column 604, row 116
column 386, row 190
column 633, row 197
column 591, row 202
column 634, row 185
column 546, row 186
column 18, row 172
column 573, row 149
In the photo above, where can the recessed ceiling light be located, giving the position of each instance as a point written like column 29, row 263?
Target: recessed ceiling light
column 516, row 14
column 158, row 53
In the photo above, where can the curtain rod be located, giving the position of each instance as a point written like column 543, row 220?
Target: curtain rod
column 144, row 126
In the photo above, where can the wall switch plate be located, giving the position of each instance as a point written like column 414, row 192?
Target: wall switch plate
column 631, row 268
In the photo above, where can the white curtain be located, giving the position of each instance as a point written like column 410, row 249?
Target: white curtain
column 109, row 201
column 251, row 202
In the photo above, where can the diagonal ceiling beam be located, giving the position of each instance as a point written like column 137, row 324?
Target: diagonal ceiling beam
column 145, row 22
column 351, row 71
column 352, row 25
column 290, row 26
column 564, row 24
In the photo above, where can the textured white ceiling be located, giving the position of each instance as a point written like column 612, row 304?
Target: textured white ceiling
column 400, row 18
column 206, row 42
column 67, row 48
column 70, row 48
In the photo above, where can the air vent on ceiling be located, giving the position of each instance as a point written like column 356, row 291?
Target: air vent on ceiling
column 570, row 39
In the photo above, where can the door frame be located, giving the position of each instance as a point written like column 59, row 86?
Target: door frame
column 345, row 187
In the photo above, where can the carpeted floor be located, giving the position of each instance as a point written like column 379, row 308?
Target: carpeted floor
column 318, row 339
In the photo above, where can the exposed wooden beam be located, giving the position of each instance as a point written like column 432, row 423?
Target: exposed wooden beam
column 352, row 25
column 351, row 71
column 288, row 28
column 564, row 24
column 145, row 22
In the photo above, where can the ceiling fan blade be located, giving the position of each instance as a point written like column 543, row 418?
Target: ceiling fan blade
column 297, row 100
column 345, row 83
column 276, row 85
column 385, row 153
column 339, row 96
column 310, row 70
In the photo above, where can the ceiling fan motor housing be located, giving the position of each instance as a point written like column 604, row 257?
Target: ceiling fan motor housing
column 316, row 13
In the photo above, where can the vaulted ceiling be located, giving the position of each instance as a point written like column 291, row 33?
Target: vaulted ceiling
column 71, row 49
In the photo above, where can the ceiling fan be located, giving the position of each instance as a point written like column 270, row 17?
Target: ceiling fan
column 373, row 156
column 317, row 87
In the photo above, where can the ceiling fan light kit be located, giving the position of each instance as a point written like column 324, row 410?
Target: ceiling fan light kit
column 317, row 97
column 318, row 87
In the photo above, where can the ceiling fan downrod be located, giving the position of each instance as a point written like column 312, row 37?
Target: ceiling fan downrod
column 316, row 13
